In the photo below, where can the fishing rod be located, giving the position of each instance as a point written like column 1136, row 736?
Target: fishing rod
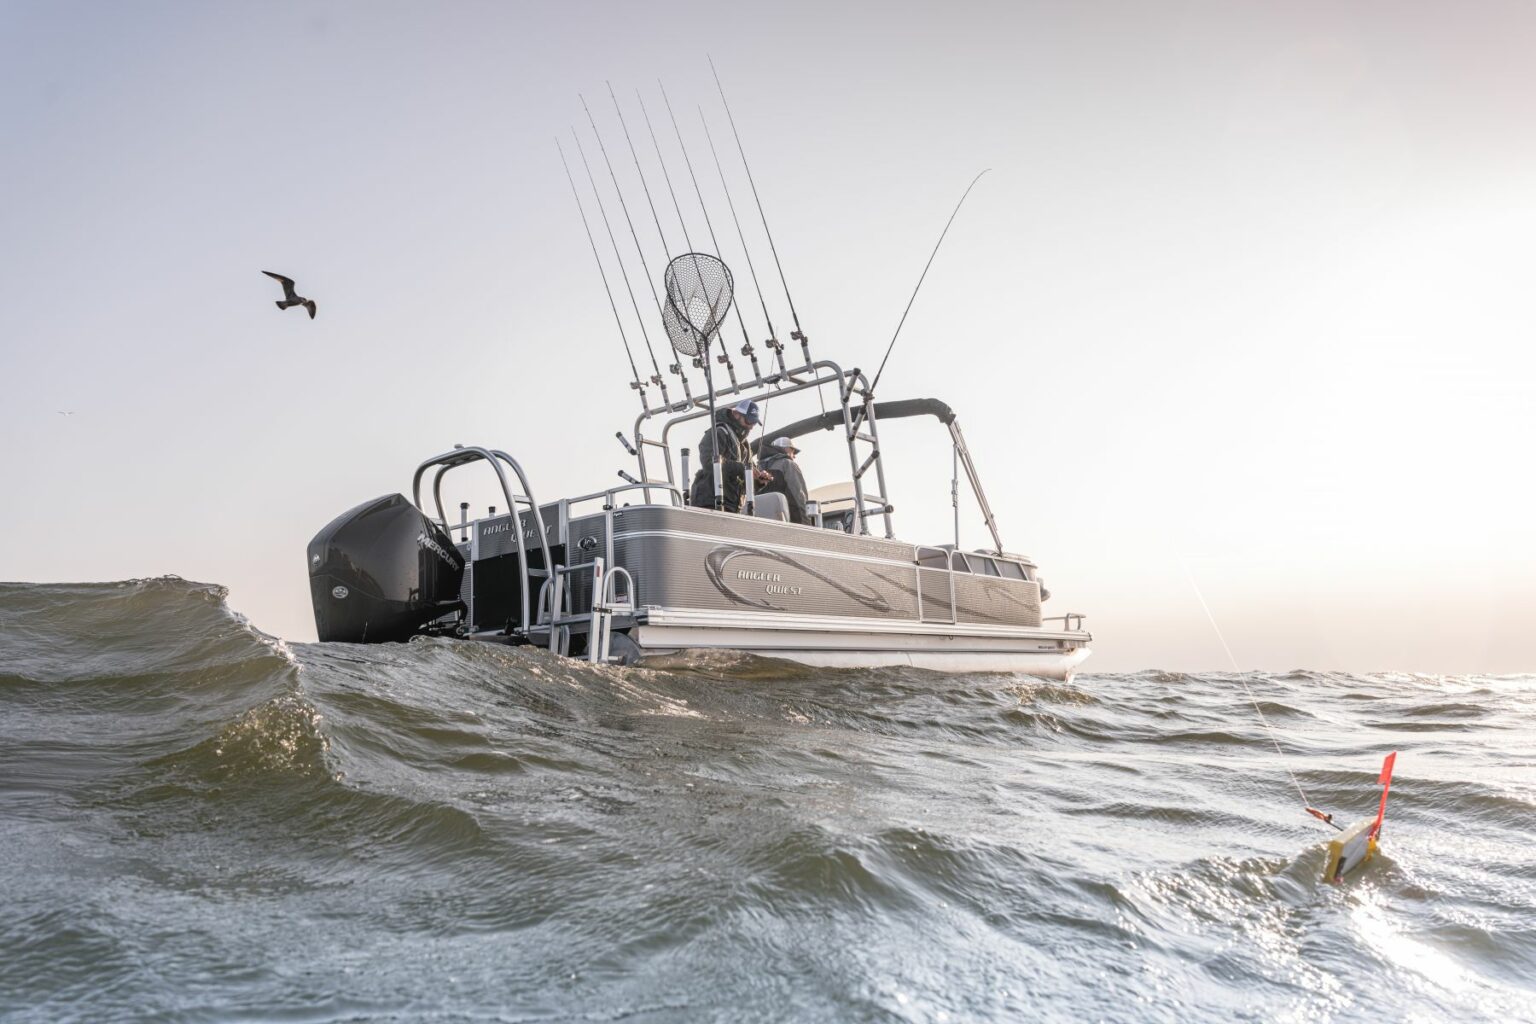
column 714, row 425
column 665, row 248
column 797, row 334
column 708, row 223
column 921, row 278
column 623, row 272
column 664, row 172
column 632, row 233
column 604, row 274
column 676, row 367
column 724, row 187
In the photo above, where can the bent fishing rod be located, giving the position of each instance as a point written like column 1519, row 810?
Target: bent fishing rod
column 922, row 277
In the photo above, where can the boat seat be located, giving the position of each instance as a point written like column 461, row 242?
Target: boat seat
column 771, row 506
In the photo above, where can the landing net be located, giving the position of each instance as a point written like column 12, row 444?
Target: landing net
column 699, row 292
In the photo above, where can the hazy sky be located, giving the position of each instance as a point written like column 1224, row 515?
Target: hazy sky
column 1245, row 297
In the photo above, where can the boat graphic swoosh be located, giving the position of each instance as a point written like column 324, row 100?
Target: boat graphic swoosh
column 716, row 560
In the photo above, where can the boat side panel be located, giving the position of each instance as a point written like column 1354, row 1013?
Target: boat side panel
column 691, row 558
column 988, row 599
column 673, row 571
column 937, row 603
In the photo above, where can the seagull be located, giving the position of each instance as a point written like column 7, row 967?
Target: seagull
column 290, row 297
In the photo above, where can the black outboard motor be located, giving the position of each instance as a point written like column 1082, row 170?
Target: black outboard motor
column 382, row 571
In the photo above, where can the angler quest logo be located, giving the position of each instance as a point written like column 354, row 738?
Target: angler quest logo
column 530, row 535
column 728, row 581
column 774, row 580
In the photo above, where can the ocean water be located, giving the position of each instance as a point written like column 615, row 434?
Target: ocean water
column 201, row 823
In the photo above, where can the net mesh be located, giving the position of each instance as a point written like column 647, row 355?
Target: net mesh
column 699, row 292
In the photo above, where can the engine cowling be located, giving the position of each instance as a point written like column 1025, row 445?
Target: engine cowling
column 380, row 572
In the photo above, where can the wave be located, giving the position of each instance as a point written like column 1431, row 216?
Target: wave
column 497, row 827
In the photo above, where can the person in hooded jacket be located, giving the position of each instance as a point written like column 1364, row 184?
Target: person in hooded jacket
column 779, row 462
column 728, row 437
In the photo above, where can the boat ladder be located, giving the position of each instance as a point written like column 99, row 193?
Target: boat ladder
column 554, row 607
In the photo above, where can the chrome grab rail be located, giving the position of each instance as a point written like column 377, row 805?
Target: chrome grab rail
column 463, row 456
column 559, row 636
column 611, row 591
column 1067, row 621
column 599, row 643
column 647, row 486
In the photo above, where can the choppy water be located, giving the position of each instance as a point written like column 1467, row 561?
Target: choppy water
column 202, row 824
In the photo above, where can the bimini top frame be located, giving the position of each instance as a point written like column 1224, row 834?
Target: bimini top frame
column 916, row 407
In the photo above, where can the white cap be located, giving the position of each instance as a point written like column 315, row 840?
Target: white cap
column 785, row 443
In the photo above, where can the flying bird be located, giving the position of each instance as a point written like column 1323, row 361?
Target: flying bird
column 291, row 297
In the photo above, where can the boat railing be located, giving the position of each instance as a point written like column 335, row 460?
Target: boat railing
column 673, row 493
column 858, row 422
column 1069, row 621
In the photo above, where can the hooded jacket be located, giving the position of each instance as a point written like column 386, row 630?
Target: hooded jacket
column 730, row 440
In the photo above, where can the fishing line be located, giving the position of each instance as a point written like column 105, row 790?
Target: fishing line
column 1251, row 698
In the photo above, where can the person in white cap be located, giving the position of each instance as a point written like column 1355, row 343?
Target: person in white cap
column 728, row 438
column 779, row 462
